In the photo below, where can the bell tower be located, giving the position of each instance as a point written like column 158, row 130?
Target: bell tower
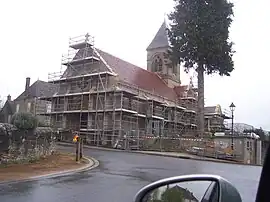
column 158, row 62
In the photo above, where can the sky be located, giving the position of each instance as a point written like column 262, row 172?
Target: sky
column 35, row 34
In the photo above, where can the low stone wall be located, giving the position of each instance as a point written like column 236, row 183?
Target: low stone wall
column 25, row 146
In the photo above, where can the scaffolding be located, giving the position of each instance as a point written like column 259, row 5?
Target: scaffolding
column 109, row 112
column 217, row 122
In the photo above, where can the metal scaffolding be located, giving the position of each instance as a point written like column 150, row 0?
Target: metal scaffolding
column 113, row 113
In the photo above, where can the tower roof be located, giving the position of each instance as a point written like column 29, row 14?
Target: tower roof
column 161, row 38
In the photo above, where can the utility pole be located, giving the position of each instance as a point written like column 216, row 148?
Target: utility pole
column 232, row 108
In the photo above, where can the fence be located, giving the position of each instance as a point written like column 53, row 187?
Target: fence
column 139, row 140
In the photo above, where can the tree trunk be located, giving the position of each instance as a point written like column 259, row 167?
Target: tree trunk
column 200, row 72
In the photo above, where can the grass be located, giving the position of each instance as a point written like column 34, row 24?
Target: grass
column 45, row 165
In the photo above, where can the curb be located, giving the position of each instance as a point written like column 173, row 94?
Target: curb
column 160, row 154
column 92, row 163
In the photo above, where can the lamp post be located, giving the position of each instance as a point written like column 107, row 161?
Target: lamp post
column 232, row 108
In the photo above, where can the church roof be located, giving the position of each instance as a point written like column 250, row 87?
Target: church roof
column 126, row 72
column 161, row 38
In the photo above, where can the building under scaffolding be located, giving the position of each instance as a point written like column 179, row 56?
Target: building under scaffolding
column 110, row 100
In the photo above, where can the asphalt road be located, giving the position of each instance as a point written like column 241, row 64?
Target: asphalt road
column 120, row 175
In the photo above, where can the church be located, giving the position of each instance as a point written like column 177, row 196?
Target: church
column 109, row 100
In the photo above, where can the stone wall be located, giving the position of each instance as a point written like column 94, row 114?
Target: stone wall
column 246, row 149
column 25, row 146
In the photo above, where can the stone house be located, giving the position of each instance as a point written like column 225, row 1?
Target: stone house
column 215, row 119
column 7, row 111
column 28, row 101
column 245, row 148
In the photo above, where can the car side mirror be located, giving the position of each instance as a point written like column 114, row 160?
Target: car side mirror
column 192, row 188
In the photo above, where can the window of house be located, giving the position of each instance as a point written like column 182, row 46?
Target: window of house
column 9, row 118
column 249, row 146
column 48, row 107
column 59, row 118
column 17, row 107
column 28, row 106
column 47, row 120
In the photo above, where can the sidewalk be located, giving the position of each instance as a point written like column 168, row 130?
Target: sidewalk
column 186, row 156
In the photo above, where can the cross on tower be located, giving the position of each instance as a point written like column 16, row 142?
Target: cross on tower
column 87, row 37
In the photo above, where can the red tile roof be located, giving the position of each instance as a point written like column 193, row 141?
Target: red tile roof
column 180, row 89
column 135, row 75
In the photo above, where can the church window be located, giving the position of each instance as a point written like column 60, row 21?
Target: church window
column 157, row 64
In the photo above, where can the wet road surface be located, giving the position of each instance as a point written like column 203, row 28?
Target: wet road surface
column 120, row 175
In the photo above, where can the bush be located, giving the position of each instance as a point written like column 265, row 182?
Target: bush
column 42, row 124
column 24, row 121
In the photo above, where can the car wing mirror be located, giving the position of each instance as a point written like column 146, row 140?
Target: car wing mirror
column 192, row 188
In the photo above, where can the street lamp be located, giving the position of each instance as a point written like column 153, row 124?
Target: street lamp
column 232, row 108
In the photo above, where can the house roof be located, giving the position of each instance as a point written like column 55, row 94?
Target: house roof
column 38, row 89
column 215, row 110
column 210, row 110
column 8, row 105
column 184, row 88
column 161, row 38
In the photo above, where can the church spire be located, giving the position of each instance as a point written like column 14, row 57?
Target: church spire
column 161, row 38
column 157, row 61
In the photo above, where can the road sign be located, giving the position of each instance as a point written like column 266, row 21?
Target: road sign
column 76, row 138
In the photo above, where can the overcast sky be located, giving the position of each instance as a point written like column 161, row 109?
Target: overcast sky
column 34, row 34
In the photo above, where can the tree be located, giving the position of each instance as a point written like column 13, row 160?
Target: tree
column 199, row 36
column 24, row 121
column 172, row 195
column 154, row 196
column 258, row 131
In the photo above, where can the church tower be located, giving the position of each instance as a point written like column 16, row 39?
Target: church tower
column 158, row 63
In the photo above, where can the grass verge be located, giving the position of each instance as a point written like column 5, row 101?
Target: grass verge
column 46, row 165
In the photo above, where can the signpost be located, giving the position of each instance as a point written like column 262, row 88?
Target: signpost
column 79, row 145
column 76, row 139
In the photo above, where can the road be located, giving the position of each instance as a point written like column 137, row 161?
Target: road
column 120, row 175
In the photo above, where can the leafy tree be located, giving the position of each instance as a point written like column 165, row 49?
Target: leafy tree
column 155, row 195
column 172, row 195
column 24, row 121
column 199, row 36
column 42, row 124
column 257, row 131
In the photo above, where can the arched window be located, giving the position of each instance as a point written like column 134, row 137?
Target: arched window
column 157, row 64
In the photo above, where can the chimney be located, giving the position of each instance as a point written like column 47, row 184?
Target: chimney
column 27, row 83
column 9, row 98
